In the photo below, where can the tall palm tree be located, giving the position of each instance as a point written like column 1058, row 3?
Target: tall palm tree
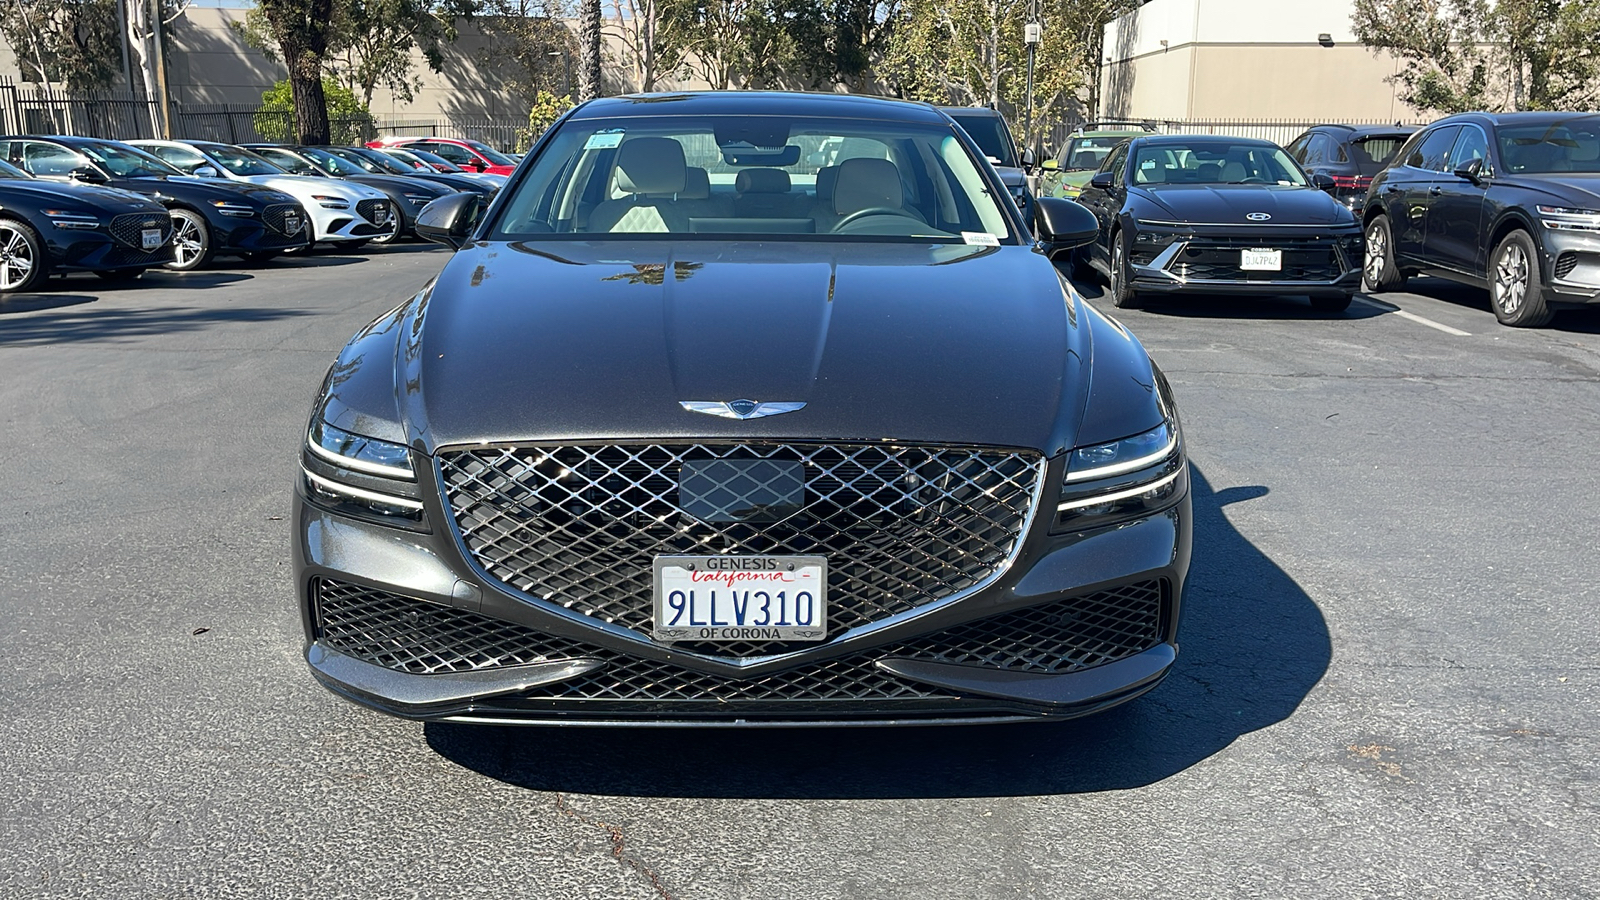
column 589, row 50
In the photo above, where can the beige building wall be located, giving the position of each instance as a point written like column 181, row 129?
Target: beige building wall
column 1245, row 59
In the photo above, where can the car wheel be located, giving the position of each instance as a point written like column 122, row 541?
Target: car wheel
column 119, row 276
column 191, row 241
column 393, row 235
column 1122, row 295
column 1333, row 304
column 1515, row 290
column 23, row 263
column 1378, row 272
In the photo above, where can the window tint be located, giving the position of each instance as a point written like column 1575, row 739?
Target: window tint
column 1298, row 148
column 1324, row 150
column 1471, row 145
column 1117, row 162
column 1435, row 146
column 1572, row 145
column 457, row 155
column 49, row 159
column 184, row 160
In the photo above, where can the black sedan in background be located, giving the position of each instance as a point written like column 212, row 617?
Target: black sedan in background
column 376, row 162
column 208, row 217
column 1348, row 155
column 407, row 194
column 1504, row 201
column 1218, row 215
column 47, row 228
column 603, row 470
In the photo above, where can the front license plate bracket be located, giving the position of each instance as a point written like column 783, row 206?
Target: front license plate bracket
column 724, row 598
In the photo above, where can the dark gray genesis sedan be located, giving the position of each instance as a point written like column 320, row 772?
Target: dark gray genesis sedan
column 694, row 430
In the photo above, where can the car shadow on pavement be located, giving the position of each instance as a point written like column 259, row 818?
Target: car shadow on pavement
column 120, row 323
column 1581, row 321
column 1222, row 306
column 182, row 281
column 13, row 304
column 1253, row 646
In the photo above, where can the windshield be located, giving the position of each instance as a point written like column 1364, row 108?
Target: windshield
column 381, row 162
column 1371, row 154
column 240, row 161
column 126, row 162
column 1569, row 146
column 989, row 133
column 1085, row 153
column 1213, row 162
column 490, row 153
column 289, row 161
column 7, row 170
column 334, row 164
column 791, row 178
column 432, row 159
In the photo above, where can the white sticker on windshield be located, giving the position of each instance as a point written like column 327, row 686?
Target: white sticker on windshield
column 979, row 239
column 603, row 140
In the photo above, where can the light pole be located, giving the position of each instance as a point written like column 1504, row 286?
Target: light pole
column 1031, row 33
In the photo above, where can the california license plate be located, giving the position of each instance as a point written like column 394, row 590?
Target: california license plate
column 1261, row 260
column 150, row 238
column 741, row 598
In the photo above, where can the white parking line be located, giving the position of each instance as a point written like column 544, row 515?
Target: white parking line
column 1390, row 307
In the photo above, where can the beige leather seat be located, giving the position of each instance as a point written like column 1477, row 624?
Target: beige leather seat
column 864, row 183
column 653, row 173
column 764, row 194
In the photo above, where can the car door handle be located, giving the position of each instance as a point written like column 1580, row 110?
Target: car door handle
column 1435, row 191
column 1391, row 189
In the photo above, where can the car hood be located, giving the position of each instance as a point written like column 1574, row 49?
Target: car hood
column 108, row 199
column 191, row 188
column 1579, row 186
column 302, row 188
column 573, row 341
column 1230, row 204
column 400, row 183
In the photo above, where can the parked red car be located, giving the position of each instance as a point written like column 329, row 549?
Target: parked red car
column 473, row 156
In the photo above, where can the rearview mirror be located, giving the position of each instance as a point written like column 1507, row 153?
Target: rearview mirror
column 450, row 219
column 1101, row 180
column 1062, row 225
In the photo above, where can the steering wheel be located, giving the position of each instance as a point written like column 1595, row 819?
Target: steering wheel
column 870, row 211
column 1253, row 179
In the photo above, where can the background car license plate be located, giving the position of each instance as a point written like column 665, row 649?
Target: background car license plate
column 740, row 598
column 150, row 238
column 1261, row 260
column 291, row 224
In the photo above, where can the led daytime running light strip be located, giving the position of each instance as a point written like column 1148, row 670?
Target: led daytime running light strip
column 1129, row 466
column 360, row 465
column 1120, row 495
column 335, row 487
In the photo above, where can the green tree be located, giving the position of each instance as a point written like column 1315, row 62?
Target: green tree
column 301, row 30
column 1459, row 55
column 532, row 51
column 547, row 108
column 374, row 40
column 348, row 119
column 72, row 43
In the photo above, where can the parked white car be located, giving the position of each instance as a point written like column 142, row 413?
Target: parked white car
column 342, row 213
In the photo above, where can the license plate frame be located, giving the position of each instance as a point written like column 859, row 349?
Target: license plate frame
column 1260, row 259
column 292, row 223
column 151, row 239
column 697, row 598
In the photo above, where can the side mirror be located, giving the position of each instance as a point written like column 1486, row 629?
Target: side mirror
column 87, row 175
column 1322, row 181
column 1472, row 171
column 206, row 172
column 1101, row 180
column 1050, row 165
column 450, row 219
column 1062, row 225
column 1028, row 159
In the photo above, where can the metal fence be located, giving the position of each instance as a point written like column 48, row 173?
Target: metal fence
column 1279, row 131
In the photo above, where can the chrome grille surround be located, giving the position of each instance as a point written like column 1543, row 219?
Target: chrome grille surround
column 423, row 638
column 128, row 228
column 904, row 527
column 274, row 216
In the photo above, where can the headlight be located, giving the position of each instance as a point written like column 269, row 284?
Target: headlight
column 330, row 202
column 1155, row 239
column 1561, row 218
column 230, row 208
column 419, row 199
column 361, row 477
column 79, row 221
column 1123, row 479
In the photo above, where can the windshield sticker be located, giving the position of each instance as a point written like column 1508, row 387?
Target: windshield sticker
column 604, row 140
column 979, row 239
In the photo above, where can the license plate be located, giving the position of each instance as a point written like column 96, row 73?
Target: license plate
column 1261, row 260
column 740, row 598
column 380, row 215
column 291, row 224
column 150, row 238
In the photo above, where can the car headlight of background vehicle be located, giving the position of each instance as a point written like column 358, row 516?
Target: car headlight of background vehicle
column 1561, row 218
column 1148, row 244
column 1124, row 479
column 232, row 208
column 72, row 221
column 419, row 199
column 361, row 477
column 328, row 201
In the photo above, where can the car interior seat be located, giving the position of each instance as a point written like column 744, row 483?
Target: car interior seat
column 863, row 183
column 764, row 194
column 652, row 172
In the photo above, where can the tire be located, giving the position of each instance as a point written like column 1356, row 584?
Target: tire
column 1378, row 270
column 1122, row 296
column 191, row 241
column 1334, row 304
column 1516, row 290
column 120, row 276
column 23, row 260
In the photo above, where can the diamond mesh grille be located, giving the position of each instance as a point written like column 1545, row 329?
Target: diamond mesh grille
column 274, row 217
column 128, row 229
column 369, row 209
column 425, row 638
column 901, row 526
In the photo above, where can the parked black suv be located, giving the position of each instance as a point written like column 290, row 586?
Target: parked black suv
column 1505, row 201
column 1350, row 155
column 989, row 131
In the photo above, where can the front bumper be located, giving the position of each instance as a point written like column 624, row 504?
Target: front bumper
column 255, row 234
column 1207, row 262
column 404, row 623
column 1571, row 267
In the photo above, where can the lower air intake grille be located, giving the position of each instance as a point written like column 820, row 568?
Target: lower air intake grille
column 1565, row 263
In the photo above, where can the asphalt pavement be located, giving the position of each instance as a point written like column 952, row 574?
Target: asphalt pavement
column 1387, row 686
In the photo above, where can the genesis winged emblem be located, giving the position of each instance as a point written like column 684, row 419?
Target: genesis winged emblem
column 739, row 409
